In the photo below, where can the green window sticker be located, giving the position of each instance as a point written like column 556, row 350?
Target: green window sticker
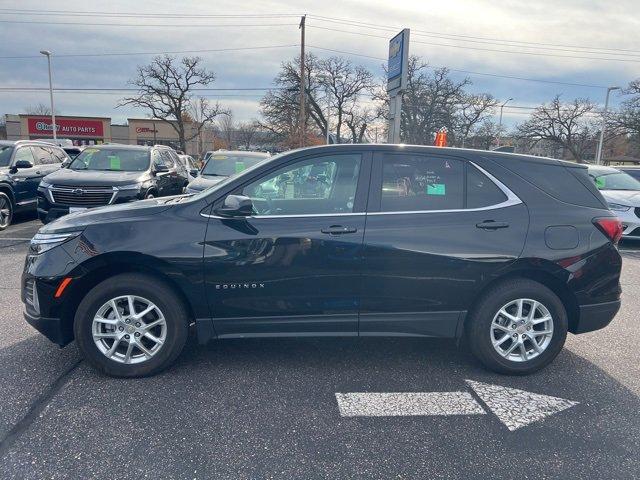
column 600, row 183
column 436, row 189
column 114, row 163
column 239, row 167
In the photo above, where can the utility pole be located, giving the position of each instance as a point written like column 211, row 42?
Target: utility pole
column 303, row 93
column 604, row 124
column 47, row 54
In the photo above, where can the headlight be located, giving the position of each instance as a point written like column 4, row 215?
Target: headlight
column 616, row 207
column 42, row 242
column 133, row 186
column 44, row 184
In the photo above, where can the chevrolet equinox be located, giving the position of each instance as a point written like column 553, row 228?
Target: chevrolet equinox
column 509, row 252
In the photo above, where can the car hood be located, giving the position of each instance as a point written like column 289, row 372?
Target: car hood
column 202, row 183
column 68, row 177
column 122, row 211
column 623, row 197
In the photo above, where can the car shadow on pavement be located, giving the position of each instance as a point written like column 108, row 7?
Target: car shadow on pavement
column 265, row 408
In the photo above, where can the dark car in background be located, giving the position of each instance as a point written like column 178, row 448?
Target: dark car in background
column 222, row 164
column 108, row 174
column 509, row 251
column 22, row 165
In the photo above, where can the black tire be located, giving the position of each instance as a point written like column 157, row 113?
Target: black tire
column 173, row 309
column 151, row 194
column 7, row 205
column 478, row 326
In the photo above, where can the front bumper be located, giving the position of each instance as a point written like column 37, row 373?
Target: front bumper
column 52, row 328
column 596, row 316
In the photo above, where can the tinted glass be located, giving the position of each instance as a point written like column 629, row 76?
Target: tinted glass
column 562, row 183
column 5, row 155
column 111, row 159
column 416, row 182
column 322, row 185
column 481, row 191
column 226, row 164
column 615, row 181
column 24, row 153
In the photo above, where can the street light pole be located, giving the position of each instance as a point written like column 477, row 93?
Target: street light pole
column 604, row 124
column 47, row 53
column 500, row 121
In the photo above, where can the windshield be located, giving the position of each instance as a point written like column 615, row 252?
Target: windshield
column 226, row 164
column 112, row 159
column 616, row 181
column 208, row 191
column 5, row 155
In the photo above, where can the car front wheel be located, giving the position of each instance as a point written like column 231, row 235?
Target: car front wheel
column 131, row 325
column 6, row 211
column 517, row 327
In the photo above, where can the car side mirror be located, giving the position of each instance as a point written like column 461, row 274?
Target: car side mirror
column 194, row 172
column 23, row 164
column 236, row 206
column 160, row 169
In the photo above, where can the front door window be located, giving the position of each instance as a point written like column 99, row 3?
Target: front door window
column 322, row 185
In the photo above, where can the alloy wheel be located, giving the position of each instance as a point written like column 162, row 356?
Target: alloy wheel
column 129, row 329
column 5, row 212
column 521, row 330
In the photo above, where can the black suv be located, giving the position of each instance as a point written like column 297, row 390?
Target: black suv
column 23, row 163
column 110, row 173
column 509, row 251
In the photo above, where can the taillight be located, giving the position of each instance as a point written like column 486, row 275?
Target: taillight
column 610, row 226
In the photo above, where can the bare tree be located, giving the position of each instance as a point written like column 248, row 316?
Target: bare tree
column 343, row 85
column 227, row 126
column 629, row 115
column 571, row 125
column 473, row 111
column 431, row 101
column 165, row 88
column 39, row 109
column 247, row 133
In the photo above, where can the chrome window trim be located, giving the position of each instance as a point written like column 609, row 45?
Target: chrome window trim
column 512, row 199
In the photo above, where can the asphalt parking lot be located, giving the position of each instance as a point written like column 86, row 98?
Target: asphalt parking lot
column 312, row 408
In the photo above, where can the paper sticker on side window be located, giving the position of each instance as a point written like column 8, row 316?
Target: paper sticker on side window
column 600, row 183
column 436, row 189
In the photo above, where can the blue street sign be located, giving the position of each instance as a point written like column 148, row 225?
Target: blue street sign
column 396, row 56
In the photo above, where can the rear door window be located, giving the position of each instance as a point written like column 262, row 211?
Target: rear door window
column 42, row 155
column 418, row 182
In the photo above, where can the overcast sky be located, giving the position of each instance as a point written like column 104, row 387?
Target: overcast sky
column 597, row 30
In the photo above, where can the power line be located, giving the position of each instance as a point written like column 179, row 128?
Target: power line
column 470, row 72
column 122, row 54
column 66, row 13
column 166, row 25
column 109, row 89
column 482, row 49
column 458, row 36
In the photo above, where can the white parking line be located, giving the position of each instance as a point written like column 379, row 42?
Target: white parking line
column 406, row 404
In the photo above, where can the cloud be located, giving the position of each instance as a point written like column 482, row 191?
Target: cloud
column 572, row 23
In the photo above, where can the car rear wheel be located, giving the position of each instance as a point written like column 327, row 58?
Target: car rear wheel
column 131, row 325
column 6, row 211
column 517, row 327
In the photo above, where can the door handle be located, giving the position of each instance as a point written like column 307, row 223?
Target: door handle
column 338, row 230
column 491, row 225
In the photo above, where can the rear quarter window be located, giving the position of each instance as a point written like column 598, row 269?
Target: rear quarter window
column 567, row 184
